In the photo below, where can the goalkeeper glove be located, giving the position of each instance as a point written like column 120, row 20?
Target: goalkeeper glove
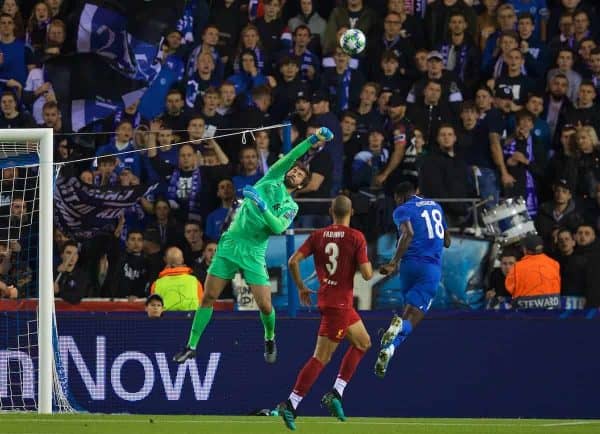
column 323, row 134
column 250, row 192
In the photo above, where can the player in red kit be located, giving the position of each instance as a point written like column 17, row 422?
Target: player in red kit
column 338, row 252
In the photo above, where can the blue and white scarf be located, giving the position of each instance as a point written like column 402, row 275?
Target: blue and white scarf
column 343, row 90
column 531, row 199
column 461, row 58
column 193, row 195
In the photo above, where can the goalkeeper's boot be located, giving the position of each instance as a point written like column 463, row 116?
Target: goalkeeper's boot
column 383, row 359
column 270, row 351
column 183, row 355
column 288, row 414
column 333, row 401
column 393, row 330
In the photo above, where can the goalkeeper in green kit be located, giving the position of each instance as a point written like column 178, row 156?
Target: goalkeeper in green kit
column 268, row 209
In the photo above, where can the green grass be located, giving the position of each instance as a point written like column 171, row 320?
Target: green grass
column 25, row 423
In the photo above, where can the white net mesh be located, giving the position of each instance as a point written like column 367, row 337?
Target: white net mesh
column 19, row 265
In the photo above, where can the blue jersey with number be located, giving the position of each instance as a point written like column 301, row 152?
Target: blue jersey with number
column 428, row 223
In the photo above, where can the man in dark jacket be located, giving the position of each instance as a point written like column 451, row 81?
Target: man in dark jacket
column 559, row 212
column 71, row 281
column 572, row 265
column 130, row 277
column 444, row 175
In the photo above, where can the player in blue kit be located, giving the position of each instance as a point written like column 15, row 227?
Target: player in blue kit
column 422, row 234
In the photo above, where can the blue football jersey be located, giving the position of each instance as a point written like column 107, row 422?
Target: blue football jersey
column 429, row 224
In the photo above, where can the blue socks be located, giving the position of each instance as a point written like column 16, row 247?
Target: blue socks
column 406, row 330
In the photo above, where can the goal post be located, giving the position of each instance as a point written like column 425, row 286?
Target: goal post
column 42, row 137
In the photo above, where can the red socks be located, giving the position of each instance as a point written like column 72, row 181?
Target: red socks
column 307, row 376
column 349, row 363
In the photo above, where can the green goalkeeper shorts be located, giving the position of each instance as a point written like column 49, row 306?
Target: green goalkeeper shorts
column 235, row 255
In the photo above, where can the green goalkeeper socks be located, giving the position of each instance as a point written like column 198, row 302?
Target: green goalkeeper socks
column 201, row 320
column 269, row 324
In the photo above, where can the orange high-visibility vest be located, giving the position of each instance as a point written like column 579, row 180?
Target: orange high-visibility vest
column 534, row 275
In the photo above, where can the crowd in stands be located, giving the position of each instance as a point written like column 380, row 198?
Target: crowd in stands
column 465, row 98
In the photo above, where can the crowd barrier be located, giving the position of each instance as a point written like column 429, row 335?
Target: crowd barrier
column 456, row 364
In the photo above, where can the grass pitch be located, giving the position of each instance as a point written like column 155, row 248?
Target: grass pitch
column 24, row 423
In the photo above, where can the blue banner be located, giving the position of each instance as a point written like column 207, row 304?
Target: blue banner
column 455, row 364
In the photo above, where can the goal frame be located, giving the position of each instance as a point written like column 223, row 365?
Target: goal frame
column 43, row 136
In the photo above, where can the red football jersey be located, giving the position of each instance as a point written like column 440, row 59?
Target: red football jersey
column 338, row 251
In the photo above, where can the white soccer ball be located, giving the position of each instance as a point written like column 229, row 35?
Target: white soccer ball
column 353, row 41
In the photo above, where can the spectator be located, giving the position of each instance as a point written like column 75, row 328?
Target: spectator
column 565, row 38
column 507, row 22
column 215, row 220
column 309, row 17
column 496, row 294
column 266, row 156
column 585, row 237
column 561, row 211
column 303, row 113
column 412, row 28
column 11, row 117
column 307, row 60
column 354, row 15
column 213, row 120
column 37, row 26
column 557, row 105
column 37, row 92
column 11, row 7
column 54, row 6
column 201, row 266
column 122, row 146
column 129, row 277
column 519, row 83
column 585, row 110
column 248, row 77
column 532, row 48
column 414, row 153
column 320, row 164
column 183, row 183
column 564, row 65
column 152, row 253
column 193, row 244
column 588, row 161
column 487, row 22
column 227, row 94
column 393, row 40
column 288, row 86
column 154, row 306
column 444, row 175
column 200, row 80
column 438, row 16
column 391, row 76
column 179, row 289
column 431, row 112
column 541, row 130
column 273, row 31
column 71, row 282
column 450, row 89
column 15, row 56
column 399, row 133
column 175, row 115
column 563, row 163
column 352, row 144
column 592, row 211
column 165, row 224
column 248, row 173
column 572, row 265
column 250, row 43
column 323, row 116
column 525, row 161
column 369, row 163
column 55, row 39
column 341, row 82
column 210, row 40
column 8, row 291
column 368, row 115
column 459, row 52
column 534, row 281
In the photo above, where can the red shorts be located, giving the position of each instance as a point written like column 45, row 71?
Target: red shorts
column 335, row 322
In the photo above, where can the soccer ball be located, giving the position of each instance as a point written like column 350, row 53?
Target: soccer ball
column 353, row 41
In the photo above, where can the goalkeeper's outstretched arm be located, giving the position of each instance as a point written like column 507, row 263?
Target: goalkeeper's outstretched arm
column 285, row 163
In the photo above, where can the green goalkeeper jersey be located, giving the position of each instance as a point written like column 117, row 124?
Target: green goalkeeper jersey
column 252, row 227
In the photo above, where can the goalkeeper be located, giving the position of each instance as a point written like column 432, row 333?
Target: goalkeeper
column 268, row 209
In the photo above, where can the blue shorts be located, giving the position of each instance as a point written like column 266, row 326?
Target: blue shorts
column 419, row 282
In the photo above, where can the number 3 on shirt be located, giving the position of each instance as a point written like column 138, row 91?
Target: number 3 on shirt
column 332, row 250
column 438, row 227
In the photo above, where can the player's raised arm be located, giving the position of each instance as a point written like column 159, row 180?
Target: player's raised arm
column 406, row 237
column 285, row 163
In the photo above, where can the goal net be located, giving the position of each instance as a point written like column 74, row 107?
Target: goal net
column 30, row 366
